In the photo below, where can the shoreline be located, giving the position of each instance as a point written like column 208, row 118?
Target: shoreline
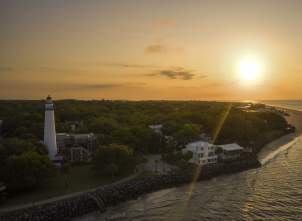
column 281, row 107
column 271, row 150
column 294, row 118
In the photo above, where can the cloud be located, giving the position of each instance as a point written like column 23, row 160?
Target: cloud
column 122, row 65
column 164, row 23
column 175, row 73
column 48, row 68
column 97, row 86
column 184, row 75
column 105, row 86
column 5, row 69
column 156, row 49
column 163, row 49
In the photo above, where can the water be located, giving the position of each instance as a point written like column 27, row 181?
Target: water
column 272, row 192
column 290, row 104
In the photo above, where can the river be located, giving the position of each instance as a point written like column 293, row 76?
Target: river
column 272, row 192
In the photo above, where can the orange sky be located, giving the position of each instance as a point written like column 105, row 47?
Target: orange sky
column 156, row 49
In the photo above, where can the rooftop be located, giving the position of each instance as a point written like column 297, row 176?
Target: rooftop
column 231, row 147
column 200, row 143
column 195, row 146
column 76, row 135
column 154, row 126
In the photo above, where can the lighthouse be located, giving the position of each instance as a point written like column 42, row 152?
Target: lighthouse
column 50, row 130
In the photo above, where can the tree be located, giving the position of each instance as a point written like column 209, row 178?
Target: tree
column 114, row 159
column 188, row 133
column 187, row 156
column 102, row 125
column 177, row 158
column 145, row 140
column 16, row 146
column 26, row 171
column 171, row 127
column 123, row 135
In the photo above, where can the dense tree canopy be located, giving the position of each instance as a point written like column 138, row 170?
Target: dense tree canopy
column 126, row 122
column 26, row 171
column 16, row 146
column 114, row 159
column 23, row 163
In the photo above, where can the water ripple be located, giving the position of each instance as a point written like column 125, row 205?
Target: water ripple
column 272, row 192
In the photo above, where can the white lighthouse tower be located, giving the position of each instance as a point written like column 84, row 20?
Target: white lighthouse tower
column 50, row 130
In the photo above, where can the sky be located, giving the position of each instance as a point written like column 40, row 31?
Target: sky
column 149, row 49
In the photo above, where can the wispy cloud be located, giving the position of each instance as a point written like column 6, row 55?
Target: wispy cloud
column 96, row 86
column 175, row 73
column 164, row 23
column 156, row 49
column 69, row 86
column 110, row 85
column 160, row 48
column 50, row 68
column 124, row 65
column 5, row 69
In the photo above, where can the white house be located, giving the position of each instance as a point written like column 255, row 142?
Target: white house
column 203, row 152
column 157, row 128
column 230, row 151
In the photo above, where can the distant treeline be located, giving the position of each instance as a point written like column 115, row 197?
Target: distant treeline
column 126, row 122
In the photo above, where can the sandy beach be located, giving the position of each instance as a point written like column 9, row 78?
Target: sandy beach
column 283, row 143
column 295, row 119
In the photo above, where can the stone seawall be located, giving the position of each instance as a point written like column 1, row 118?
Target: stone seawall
column 111, row 195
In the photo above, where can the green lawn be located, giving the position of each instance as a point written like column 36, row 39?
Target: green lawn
column 79, row 178
column 146, row 174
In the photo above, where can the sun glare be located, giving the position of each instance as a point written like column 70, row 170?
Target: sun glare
column 249, row 70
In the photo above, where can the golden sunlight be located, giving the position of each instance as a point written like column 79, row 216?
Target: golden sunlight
column 249, row 69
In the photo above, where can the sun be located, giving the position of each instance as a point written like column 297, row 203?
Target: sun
column 249, row 69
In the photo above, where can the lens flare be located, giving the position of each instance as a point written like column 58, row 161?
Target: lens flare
column 181, row 211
